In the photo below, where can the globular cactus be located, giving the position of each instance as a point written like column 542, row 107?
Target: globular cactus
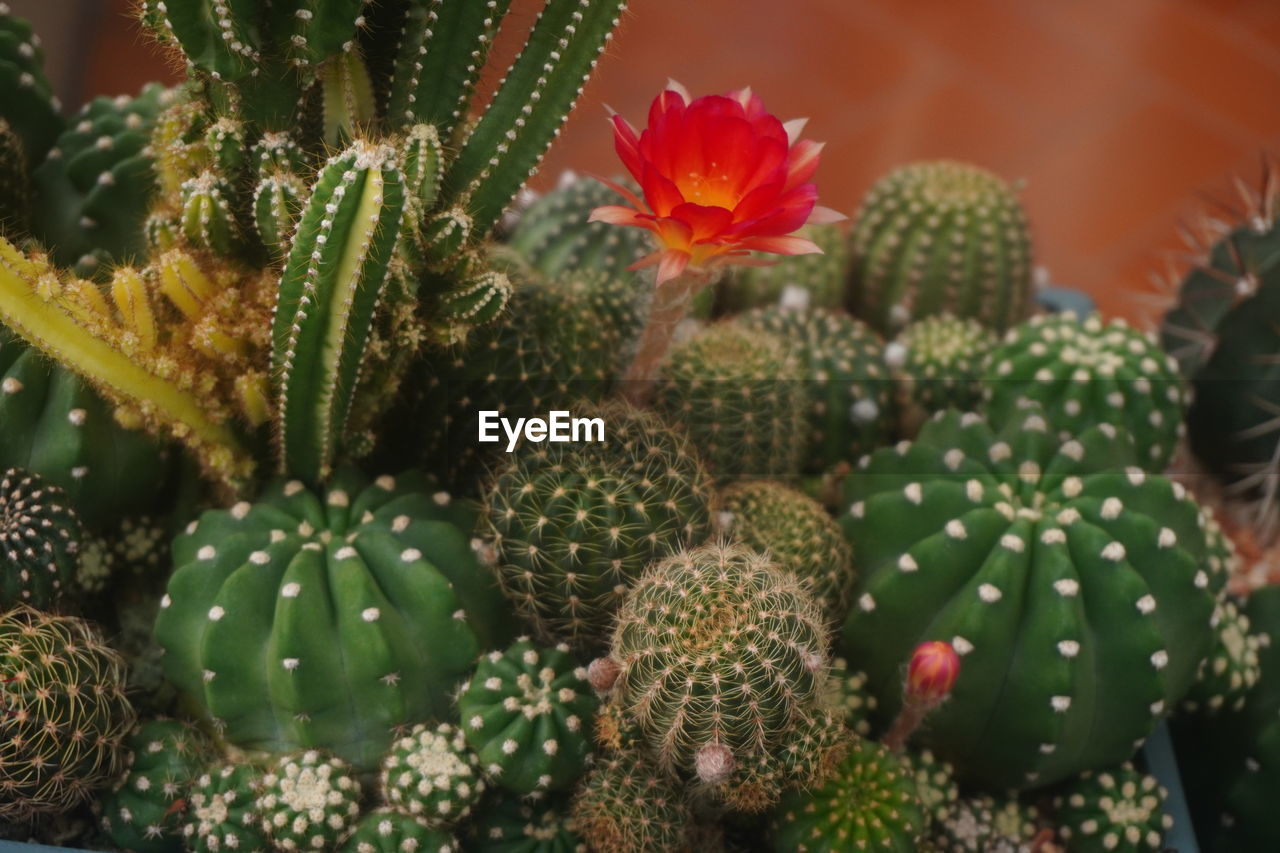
column 142, row 810
column 40, row 538
column 848, row 696
column 15, row 184
column 815, row 280
column 969, row 533
column 386, row 830
column 329, row 291
column 506, row 823
column 65, row 713
column 720, row 658
column 325, row 620
column 308, row 801
column 432, row 774
column 850, row 393
column 938, row 362
column 626, row 805
column 222, row 812
column 1232, row 668
column 1084, row 373
column 527, row 714
column 985, row 824
column 573, row 524
column 27, row 101
column 869, row 804
column 1119, row 809
column 740, row 396
column 797, row 533
column 936, row 237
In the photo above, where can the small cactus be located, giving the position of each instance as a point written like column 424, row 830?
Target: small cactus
column 939, row 363
column 1232, row 668
column 308, row 801
column 985, row 824
column 510, row 824
column 432, row 774
column 222, row 810
column 40, row 539
column 1121, row 809
column 848, row 695
column 625, row 805
column 385, row 830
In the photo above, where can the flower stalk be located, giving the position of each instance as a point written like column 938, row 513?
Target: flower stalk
column 671, row 301
column 931, row 674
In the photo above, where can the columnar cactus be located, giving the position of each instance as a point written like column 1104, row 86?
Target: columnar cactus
column 971, row 532
column 1084, row 373
column 308, row 801
column 796, row 532
column 936, row 237
column 1121, row 809
column 938, row 362
column 222, row 810
column 39, row 541
column 432, row 774
column 527, row 714
column 739, row 395
column 869, row 804
column 325, row 620
column 386, row 830
column 850, row 393
column 720, row 659
column 626, row 805
column 65, row 713
column 506, row 823
column 573, row 524
column 814, row 280
column 142, row 811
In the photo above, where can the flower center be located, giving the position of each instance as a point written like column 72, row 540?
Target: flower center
column 708, row 189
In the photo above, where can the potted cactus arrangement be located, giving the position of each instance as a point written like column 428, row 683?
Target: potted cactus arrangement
column 355, row 498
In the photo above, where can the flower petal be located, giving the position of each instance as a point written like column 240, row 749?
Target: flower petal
column 802, row 161
column 824, row 216
column 659, row 191
column 794, row 128
column 616, row 214
column 705, row 222
column 671, row 263
column 625, row 193
column 782, row 245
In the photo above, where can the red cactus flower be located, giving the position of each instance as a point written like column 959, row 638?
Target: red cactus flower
column 932, row 673
column 721, row 177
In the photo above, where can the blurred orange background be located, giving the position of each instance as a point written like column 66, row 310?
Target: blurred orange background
column 1121, row 117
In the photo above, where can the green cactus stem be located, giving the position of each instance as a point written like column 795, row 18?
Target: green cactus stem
column 507, row 823
column 27, row 101
column 938, row 362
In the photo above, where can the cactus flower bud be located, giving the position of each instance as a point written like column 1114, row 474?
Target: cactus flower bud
column 602, row 673
column 931, row 674
column 714, row 763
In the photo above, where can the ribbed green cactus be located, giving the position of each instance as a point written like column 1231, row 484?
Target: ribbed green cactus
column 432, row 774
column 506, row 823
column 1084, row 373
column 527, row 713
column 27, row 101
column 326, row 619
column 850, row 393
column 869, row 804
column 1074, row 585
column 386, row 830
column 720, row 659
column 65, row 713
column 797, row 533
column 985, row 824
column 40, row 539
column 739, row 394
column 625, row 805
column 797, row 281
column 221, row 811
column 1232, row 668
column 573, row 524
column 938, row 362
column 1120, row 809
column 308, row 801
column 936, row 237
column 143, row 810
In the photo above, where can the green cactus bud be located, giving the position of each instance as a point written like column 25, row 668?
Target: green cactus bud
column 432, row 774
column 939, row 363
column 476, row 302
column 277, row 152
column 27, row 102
column 1084, row 373
column 870, row 803
column 308, row 801
column 386, row 830
column 326, row 619
column 938, row 237
column 850, row 401
column 277, row 204
column 141, row 812
column 814, row 280
column 738, row 394
column 60, row 678
column 329, row 290
column 507, row 823
column 718, row 622
column 221, row 813
column 627, row 806
column 163, row 230
column 40, row 539
column 1074, row 585
column 422, row 158
column 797, row 533
column 208, row 222
column 1120, row 809
column 225, row 140
column 984, row 824
column 527, row 713
column 847, row 694
column 1232, row 668
column 573, row 523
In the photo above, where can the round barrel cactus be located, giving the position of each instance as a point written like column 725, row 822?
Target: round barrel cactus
column 527, row 714
column 936, row 237
column 432, row 774
column 573, row 524
column 1083, row 373
column 1074, row 585
column 39, row 541
column 985, row 824
column 507, row 823
column 625, row 805
column 842, row 370
column 1121, row 809
column 938, row 362
column 739, row 395
column 847, row 694
column 327, row 619
column 385, row 830
column 308, row 801
column 222, row 810
column 27, row 101
column 63, row 713
column 935, row 784
column 1232, row 668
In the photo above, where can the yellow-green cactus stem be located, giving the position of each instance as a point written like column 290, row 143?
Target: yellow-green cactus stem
column 347, row 93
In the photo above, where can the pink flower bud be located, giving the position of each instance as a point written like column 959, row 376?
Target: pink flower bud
column 714, row 763
column 932, row 673
column 602, row 673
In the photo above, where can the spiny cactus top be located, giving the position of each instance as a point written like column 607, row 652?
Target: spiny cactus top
column 940, row 360
column 221, row 812
column 1232, row 668
column 507, row 823
column 64, row 714
column 1074, row 585
column 1120, row 809
column 1084, row 372
column 626, row 805
column 432, row 774
column 940, row 236
column 574, row 523
column 527, row 713
column 721, row 655
column 385, row 830
column 326, row 619
column 39, row 541
column 308, row 801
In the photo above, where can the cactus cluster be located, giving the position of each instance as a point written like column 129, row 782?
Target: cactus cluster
column 626, row 805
